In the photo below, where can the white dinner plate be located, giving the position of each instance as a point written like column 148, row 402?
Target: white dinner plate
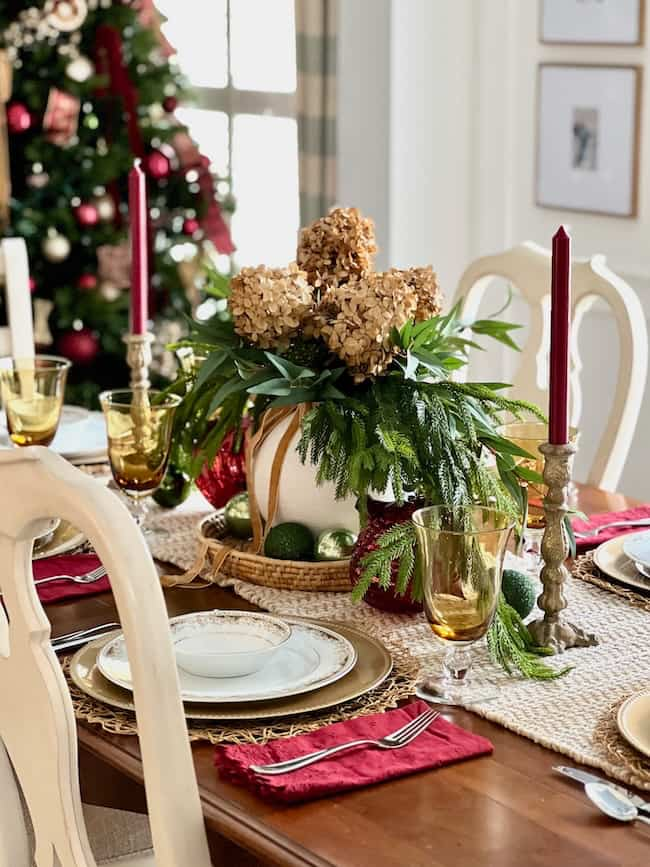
column 633, row 720
column 637, row 547
column 612, row 560
column 313, row 657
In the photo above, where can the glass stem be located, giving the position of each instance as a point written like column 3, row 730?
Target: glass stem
column 139, row 510
column 457, row 665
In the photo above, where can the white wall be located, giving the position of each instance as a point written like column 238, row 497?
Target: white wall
column 456, row 153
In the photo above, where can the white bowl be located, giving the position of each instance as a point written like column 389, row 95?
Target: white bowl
column 230, row 643
column 636, row 546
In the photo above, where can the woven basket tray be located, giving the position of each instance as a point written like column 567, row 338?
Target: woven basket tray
column 240, row 562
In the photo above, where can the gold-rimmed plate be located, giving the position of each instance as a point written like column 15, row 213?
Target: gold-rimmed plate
column 633, row 720
column 64, row 539
column 612, row 560
column 374, row 664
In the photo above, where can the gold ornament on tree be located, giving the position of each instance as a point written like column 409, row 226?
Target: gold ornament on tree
column 105, row 206
column 270, row 305
column 56, row 247
column 65, row 15
column 337, row 248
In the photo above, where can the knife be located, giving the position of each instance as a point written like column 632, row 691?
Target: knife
column 77, row 639
column 585, row 777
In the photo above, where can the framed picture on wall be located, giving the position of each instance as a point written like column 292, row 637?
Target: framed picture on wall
column 603, row 22
column 588, row 138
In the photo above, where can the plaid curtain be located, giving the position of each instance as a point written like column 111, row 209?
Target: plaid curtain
column 316, row 105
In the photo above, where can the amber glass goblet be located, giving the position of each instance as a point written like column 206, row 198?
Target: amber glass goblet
column 460, row 552
column 139, row 428
column 32, row 396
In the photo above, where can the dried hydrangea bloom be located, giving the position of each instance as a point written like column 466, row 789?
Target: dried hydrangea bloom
column 270, row 305
column 356, row 320
column 425, row 283
column 337, row 248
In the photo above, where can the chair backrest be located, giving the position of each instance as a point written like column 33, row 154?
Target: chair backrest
column 37, row 725
column 18, row 337
column 528, row 268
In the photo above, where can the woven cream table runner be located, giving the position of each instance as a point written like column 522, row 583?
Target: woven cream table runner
column 565, row 715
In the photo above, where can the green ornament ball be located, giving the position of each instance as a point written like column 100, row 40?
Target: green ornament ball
column 290, row 541
column 519, row 591
column 334, row 544
column 237, row 515
column 174, row 490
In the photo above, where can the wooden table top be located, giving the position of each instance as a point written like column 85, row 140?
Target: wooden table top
column 508, row 809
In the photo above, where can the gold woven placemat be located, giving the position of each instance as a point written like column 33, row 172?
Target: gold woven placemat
column 585, row 569
column 634, row 768
column 399, row 685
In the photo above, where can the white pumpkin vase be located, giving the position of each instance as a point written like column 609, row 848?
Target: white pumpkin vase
column 300, row 498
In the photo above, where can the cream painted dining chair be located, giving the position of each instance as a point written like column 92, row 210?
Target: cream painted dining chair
column 38, row 741
column 528, row 269
column 17, row 338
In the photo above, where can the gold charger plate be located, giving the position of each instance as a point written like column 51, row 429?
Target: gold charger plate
column 633, row 721
column 374, row 664
column 612, row 561
column 65, row 538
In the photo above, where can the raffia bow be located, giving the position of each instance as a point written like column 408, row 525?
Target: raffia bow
column 253, row 443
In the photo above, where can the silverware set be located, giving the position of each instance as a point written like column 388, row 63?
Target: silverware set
column 82, row 636
column 613, row 800
column 402, row 737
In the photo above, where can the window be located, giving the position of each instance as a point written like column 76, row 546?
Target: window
column 240, row 57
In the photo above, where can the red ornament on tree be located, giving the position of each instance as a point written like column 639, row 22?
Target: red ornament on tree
column 190, row 226
column 18, row 117
column 157, row 165
column 87, row 215
column 382, row 516
column 32, row 284
column 80, row 347
column 87, row 282
column 225, row 476
column 170, row 103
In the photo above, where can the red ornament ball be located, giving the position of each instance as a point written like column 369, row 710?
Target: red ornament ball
column 87, row 282
column 157, row 165
column 190, row 226
column 205, row 161
column 19, row 118
column 81, row 347
column 32, row 284
column 220, row 480
column 382, row 516
column 87, row 214
column 170, row 103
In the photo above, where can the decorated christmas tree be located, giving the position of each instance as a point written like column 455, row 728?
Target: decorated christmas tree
column 87, row 86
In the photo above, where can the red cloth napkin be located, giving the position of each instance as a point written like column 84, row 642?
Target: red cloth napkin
column 67, row 564
column 441, row 744
column 604, row 518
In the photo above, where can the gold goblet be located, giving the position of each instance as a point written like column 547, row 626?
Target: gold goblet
column 32, row 396
column 139, row 428
column 530, row 436
column 460, row 552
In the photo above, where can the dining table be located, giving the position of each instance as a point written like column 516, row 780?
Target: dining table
column 508, row 809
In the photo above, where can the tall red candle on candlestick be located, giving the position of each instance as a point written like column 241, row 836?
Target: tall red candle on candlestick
column 139, row 250
column 558, row 411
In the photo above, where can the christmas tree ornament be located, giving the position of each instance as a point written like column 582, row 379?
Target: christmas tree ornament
column 19, row 118
column 170, row 104
column 190, row 226
column 114, row 264
column 81, row 346
column 225, row 476
column 87, row 282
column 61, row 118
column 109, row 291
column 237, row 516
column 383, row 516
column 334, row 545
column 86, row 215
column 105, row 205
column 157, row 165
column 38, row 181
column 80, row 69
column 32, row 285
column 65, row 15
column 56, row 247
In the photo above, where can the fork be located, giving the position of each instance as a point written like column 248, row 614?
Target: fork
column 588, row 534
column 394, row 741
column 88, row 578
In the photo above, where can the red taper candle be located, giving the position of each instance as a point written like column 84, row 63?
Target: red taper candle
column 139, row 250
column 558, row 410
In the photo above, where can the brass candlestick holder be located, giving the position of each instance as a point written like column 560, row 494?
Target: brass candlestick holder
column 139, row 357
column 553, row 630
